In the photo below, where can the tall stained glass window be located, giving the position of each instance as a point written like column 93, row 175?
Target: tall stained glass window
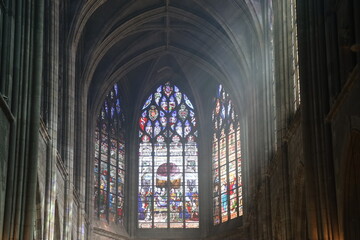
column 295, row 55
column 226, row 160
column 109, row 167
column 168, row 161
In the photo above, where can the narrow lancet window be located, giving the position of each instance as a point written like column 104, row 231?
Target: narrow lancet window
column 109, row 166
column 226, row 160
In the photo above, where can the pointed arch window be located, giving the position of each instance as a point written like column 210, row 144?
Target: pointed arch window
column 109, row 166
column 168, row 161
column 226, row 160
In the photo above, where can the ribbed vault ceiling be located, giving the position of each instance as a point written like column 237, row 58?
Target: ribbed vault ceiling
column 203, row 41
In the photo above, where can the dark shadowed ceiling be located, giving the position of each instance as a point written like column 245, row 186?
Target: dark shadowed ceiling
column 141, row 42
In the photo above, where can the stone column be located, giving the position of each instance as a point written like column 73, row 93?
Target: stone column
column 322, row 222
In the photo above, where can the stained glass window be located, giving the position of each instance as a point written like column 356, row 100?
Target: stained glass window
column 168, row 161
column 109, row 166
column 226, row 160
column 295, row 55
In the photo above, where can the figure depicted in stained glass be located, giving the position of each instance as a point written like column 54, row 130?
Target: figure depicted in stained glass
column 168, row 170
column 226, row 160
column 110, row 159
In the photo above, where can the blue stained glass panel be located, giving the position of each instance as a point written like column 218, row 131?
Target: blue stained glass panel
column 187, row 101
column 147, row 103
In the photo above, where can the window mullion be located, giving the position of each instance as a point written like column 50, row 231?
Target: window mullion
column 168, row 182
column 153, row 184
column 236, row 167
column 108, row 173
column 219, row 175
column 99, row 168
column 183, row 184
column 117, row 180
column 227, row 171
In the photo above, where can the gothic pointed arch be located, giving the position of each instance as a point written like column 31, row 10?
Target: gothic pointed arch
column 109, row 166
column 226, row 159
column 168, row 161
